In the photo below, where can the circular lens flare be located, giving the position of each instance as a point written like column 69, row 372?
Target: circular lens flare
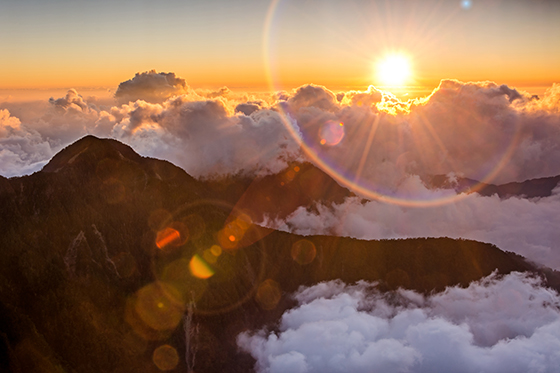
column 393, row 70
column 199, row 268
column 165, row 357
column 331, row 133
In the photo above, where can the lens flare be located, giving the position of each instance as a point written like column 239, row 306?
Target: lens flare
column 216, row 250
column 234, row 231
column 268, row 294
column 178, row 275
column 235, row 270
column 166, row 237
column 331, row 133
column 165, row 357
column 157, row 306
column 211, row 255
column 303, row 252
column 199, row 268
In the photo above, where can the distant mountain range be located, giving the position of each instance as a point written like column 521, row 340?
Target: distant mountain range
column 534, row 188
column 107, row 255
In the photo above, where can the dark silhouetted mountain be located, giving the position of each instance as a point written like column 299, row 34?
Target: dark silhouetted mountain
column 108, row 256
column 277, row 196
column 534, row 188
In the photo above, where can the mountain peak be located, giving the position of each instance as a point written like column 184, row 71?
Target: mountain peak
column 90, row 149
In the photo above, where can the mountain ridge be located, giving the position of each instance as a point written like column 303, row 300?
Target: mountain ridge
column 531, row 188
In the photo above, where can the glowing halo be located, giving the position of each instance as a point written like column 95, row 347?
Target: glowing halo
column 343, row 176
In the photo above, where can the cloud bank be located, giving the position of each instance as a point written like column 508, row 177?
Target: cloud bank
column 480, row 130
column 508, row 324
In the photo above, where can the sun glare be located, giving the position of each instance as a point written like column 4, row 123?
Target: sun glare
column 393, row 70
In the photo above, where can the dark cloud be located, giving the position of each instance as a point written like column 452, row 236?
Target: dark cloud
column 248, row 108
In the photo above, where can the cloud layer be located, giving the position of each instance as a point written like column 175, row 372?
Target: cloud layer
column 508, row 324
column 480, row 130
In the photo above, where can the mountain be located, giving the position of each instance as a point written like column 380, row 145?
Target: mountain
column 277, row 196
column 533, row 188
column 115, row 262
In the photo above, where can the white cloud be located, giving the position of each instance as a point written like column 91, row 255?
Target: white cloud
column 151, row 86
column 206, row 139
column 21, row 150
column 508, row 324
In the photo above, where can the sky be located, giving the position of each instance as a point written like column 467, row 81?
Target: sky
column 378, row 94
column 258, row 44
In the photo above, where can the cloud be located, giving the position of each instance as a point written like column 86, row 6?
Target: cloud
column 206, row 139
column 151, row 86
column 21, row 150
column 480, row 130
column 224, row 91
column 8, row 124
column 249, row 108
column 312, row 96
column 72, row 101
column 362, row 98
column 509, row 324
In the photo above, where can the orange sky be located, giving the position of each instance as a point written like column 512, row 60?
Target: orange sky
column 250, row 44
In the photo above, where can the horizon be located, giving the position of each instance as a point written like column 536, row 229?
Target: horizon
column 404, row 93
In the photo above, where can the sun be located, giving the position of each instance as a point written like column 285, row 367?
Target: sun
column 393, row 70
